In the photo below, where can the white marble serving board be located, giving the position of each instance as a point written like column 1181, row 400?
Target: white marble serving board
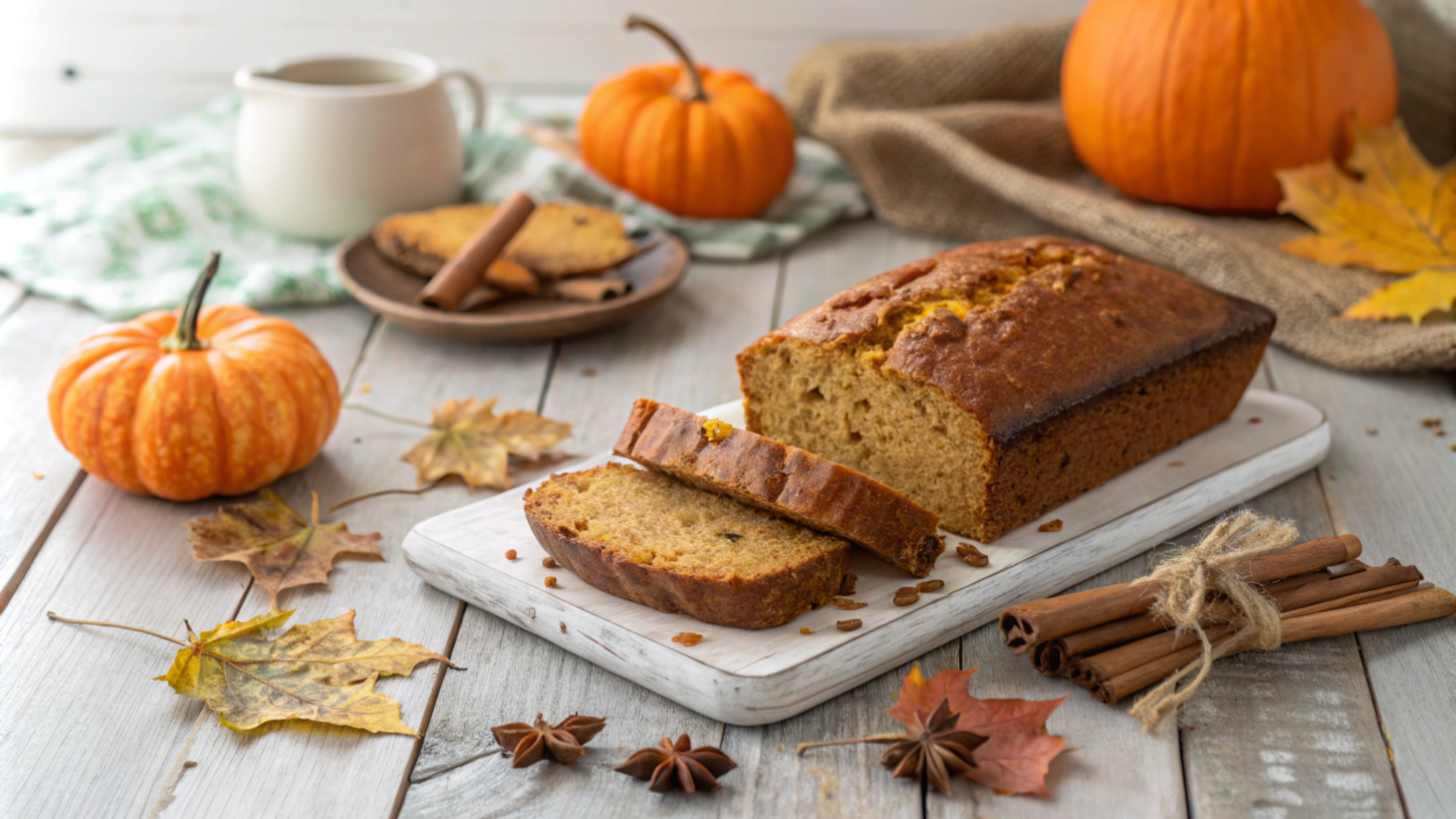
column 757, row 677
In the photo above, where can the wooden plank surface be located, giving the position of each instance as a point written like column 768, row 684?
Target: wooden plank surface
column 407, row 374
column 1393, row 488
column 1292, row 729
column 1116, row 769
column 116, row 742
column 86, row 697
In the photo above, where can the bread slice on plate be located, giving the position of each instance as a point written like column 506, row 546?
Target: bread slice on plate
column 784, row 480
column 648, row 538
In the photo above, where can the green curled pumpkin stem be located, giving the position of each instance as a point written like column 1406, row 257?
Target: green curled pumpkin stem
column 184, row 337
column 690, row 68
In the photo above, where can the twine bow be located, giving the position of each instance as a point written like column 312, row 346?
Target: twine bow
column 1213, row 566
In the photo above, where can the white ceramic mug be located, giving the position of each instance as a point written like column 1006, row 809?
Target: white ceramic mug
column 329, row 145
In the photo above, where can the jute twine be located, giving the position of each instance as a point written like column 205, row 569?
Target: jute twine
column 1189, row 580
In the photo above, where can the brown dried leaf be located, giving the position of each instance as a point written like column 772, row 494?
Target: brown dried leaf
column 470, row 440
column 281, row 549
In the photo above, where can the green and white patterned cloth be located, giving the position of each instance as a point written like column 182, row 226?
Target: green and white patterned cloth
column 123, row 224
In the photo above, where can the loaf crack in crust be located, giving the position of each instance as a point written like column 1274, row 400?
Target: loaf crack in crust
column 646, row 537
column 993, row 382
column 783, row 480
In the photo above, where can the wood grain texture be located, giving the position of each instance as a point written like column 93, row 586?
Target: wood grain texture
column 407, row 374
column 86, row 708
column 1293, row 729
column 39, row 474
column 1117, row 770
column 1393, row 488
column 834, row 781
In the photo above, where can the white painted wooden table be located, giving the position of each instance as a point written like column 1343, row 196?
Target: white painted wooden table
column 1353, row 726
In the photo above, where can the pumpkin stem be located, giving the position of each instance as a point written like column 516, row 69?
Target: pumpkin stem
column 185, row 336
column 690, row 68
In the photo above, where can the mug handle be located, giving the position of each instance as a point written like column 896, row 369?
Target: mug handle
column 477, row 96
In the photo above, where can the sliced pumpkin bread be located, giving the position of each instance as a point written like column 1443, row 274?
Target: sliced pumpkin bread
column 645, row 537
column 784, row 480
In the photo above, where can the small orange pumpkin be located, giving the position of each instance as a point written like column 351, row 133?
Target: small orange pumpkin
column 696, row 142
column 1198, row 102
column 214, row 401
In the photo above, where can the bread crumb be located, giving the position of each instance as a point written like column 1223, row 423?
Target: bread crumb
column 189, row 764
column 550, row 581
column 805, row 630
column 851, row 580
column 550, row 563
column 40, row 476
column 1051, row 526
column 510, row 554
column 929, row 585
column 1371, row 430
column 1175, row 463
column 563, row 628
column 846, row 603
column 974, row 557
column 366, row 388
column 688, row 638
column 588, row 373
column 1256, row 420
column 1431, row 422
column 848, row 625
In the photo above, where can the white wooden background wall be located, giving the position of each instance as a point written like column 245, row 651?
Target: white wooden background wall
column 83, row 65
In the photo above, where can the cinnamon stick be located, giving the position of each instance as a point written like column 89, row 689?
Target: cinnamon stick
column 1385, row 609
column 1026, row 624
column 466, row 269
column 1052, row 657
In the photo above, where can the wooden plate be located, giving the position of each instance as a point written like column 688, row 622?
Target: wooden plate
column 389, row 290
column 755, row 677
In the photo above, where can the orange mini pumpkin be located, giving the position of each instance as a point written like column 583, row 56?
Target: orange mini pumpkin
column 214, row 401
column 1198, row 102
column 694, row 141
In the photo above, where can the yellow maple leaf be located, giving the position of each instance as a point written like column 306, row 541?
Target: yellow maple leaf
column 1398, row 217
column 317, row 671
column 468, row 439
column 279, row 547
column 1412, row 297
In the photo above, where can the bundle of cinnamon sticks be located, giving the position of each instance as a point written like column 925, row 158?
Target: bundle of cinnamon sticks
column 1107, row 641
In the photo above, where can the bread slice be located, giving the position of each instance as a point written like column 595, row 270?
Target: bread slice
column 645, row 537
column 784, row 480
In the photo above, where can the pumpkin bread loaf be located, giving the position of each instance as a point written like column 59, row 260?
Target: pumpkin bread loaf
column 648, row 538
column 784, row 480
column 992, row 382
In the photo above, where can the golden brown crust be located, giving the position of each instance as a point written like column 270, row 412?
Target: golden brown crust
column 558, row 240
column 1081, row 322
column 1077, row 363
column 765, row 601
column 786, row 481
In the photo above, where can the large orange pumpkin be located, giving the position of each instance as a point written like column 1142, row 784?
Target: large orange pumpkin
column 214, row 401
column 688, row 139
column 1198, row 102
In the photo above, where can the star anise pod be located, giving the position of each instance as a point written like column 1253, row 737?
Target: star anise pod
column 530, row 744
column 678, row 764
column 933, row 748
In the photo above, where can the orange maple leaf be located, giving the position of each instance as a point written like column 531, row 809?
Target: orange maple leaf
column 1393, row 212
column 1018, row 750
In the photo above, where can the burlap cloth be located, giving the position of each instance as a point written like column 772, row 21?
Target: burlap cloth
column 966, row 139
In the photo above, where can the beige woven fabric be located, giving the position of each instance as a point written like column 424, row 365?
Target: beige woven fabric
column 966, row 139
